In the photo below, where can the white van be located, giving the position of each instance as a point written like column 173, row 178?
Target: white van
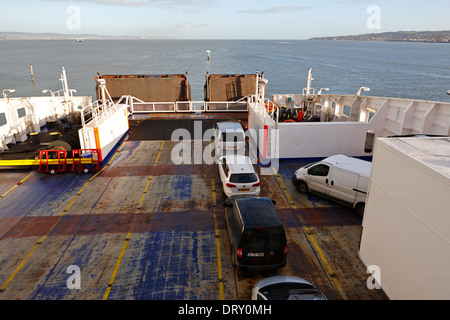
column 229, row 138
column 340, row 178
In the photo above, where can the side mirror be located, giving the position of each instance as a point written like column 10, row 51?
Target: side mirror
column 228, row 204
column 274, row 202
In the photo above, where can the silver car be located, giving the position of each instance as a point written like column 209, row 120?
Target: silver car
column 286, row 288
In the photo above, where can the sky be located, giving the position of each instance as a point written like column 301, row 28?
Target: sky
column 224, row 19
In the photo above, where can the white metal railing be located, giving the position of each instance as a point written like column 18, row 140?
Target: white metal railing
column 97, row 112
column 227, row 106
column 190, row 106
column 266, row 109
column 146, row 107
column 138, row 106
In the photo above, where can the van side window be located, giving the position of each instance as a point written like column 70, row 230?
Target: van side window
column 319, row 170
column 234, row 223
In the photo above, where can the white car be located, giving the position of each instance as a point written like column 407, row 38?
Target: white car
column 238, row 176
column 286, row 288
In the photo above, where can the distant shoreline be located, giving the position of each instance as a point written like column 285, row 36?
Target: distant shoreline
column 61, row 36
column 399, row 36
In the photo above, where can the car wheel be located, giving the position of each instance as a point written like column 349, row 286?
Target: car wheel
column 302, row 187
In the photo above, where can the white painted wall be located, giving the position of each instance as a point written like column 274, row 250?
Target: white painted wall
column 110, row 130
column 322, row 139
column 406, row 224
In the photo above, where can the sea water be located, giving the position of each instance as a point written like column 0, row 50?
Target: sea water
column 390, row 69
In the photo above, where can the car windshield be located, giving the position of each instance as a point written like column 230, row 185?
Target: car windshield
column 309, row 165
column 291, row 291
column 232, row 137
column 243, row 177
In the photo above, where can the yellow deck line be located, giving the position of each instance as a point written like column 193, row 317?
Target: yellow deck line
column 36, row 162
column 151, row 176
column 41, row 240
column 216, row 230
column 18, row 184
column 127, row 239
column 309, row 233
column 116, row 267
column 219, row 257
column 306, row 228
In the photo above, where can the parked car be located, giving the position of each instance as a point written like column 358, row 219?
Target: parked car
column 341, row 178
column 257, row 237
column 238, row 176
column 229, row 138
column 286, row 288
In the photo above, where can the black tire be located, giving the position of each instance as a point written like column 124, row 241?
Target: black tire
column 302, row 187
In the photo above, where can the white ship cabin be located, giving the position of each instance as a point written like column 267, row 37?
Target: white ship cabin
column 313, row 124
column 20, row 116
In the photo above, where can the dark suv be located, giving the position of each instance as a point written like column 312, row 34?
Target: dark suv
column 257, row 236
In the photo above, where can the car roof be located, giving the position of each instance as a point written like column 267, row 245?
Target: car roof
column 238, row 163
column 229, row 125
column 257, row 212
column 281, row 279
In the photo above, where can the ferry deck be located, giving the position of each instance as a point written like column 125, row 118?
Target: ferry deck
column 144, row 228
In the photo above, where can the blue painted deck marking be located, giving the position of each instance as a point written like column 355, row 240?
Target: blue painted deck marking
column 42, row 195
column 179, row 266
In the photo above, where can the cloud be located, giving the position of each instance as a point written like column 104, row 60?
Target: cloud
column 124, row 3
column 188, row 3
column 188, row 26
column 279, row 9
column 355, row 1
column 140, row 3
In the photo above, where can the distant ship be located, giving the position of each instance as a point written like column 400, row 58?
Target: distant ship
column 79, row 40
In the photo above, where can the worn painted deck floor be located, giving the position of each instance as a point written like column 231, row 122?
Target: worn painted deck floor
column 145, row 228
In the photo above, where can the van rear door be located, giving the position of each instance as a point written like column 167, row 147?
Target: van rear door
column 263, row 246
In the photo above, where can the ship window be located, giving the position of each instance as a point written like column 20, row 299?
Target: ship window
column 3, row 119
column 21, row 112
column 347, row 110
